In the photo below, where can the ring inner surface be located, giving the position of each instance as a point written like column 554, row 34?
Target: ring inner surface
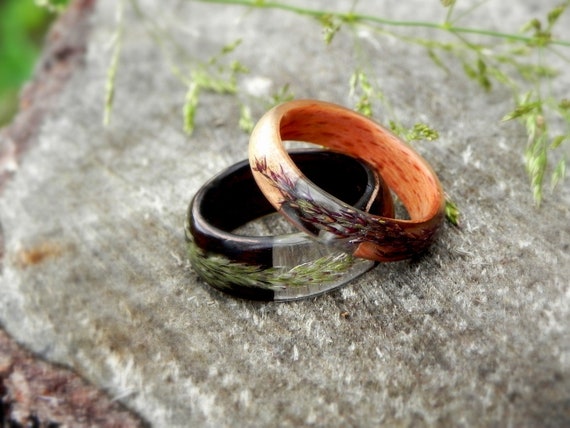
column 233, row 199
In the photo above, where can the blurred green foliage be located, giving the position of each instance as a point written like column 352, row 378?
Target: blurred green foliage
column 23, row 24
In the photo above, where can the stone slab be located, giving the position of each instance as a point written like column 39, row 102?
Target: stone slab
column 95, row 275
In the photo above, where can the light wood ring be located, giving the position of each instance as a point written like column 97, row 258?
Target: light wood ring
column 308, row 207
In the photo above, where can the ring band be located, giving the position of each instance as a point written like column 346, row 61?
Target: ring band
column 363, row 234
column 284, row 267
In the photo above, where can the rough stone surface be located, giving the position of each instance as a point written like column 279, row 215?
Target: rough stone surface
column 94, row 271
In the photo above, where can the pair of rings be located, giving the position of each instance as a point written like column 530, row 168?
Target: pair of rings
column 339, row 199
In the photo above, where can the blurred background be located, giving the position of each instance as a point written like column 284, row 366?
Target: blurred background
column 23, row 26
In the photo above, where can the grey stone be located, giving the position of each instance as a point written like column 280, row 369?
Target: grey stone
column 95, row 274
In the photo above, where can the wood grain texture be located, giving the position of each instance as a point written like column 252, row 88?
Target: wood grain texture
column 95, row 274
column 380, row 238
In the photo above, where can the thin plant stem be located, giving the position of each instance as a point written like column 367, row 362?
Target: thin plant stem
column 112, row 70
column 489, row 64
column 450, row 9
column 357, row 17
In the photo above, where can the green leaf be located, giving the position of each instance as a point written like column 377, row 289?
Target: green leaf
column 437, row 60
column 421, row 131
column 113, row 66
column 224, row 51
column 500, row 76
column 230, row 47
column 536, row 161
column 213, row 83
column 533, row 72
column 481, row 66
column 237, row 67
column 470, row 71
column 360, row 84
column 452, row 212
column 558, row 174
column 564, row 104
column 554, row 14
column 190, row 106
column 556, row 141
column 245, row 120
column 447, row 3
column 282, row 95
column 212, row 75
column 541, row 39
column 534, row 24
column 485, row 82
column 397, row 129
column 331, row 26
column 521, row 110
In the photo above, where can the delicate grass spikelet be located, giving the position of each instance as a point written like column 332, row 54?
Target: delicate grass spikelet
column 112, row 70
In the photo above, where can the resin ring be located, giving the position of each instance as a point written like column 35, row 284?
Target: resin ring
column 284, row 267
column 328, row 219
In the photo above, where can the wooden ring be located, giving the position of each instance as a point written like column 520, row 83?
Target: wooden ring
column 365, row 235
column 282, row 267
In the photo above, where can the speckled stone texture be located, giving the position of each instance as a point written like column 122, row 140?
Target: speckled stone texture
column 94, row 268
